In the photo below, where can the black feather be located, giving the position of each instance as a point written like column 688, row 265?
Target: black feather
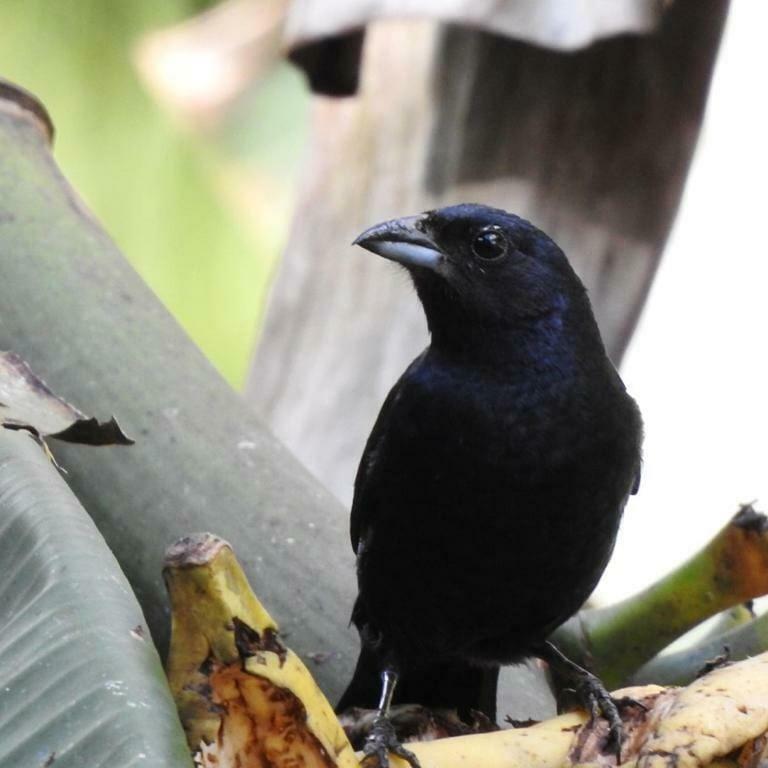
column 490, row 492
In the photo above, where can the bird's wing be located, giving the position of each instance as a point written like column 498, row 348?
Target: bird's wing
column 366, row 471
column 369, row 473
column 620, row 384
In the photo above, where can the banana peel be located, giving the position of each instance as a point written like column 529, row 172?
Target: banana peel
column 243, row 697
column 247, row 701
column 718, row 720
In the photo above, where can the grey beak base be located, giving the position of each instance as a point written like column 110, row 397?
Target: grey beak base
column 400, row 240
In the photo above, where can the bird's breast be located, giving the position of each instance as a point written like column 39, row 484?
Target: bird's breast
column 519, row 485
column 516, row 426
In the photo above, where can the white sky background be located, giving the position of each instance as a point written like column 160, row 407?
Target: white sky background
column 698, row 365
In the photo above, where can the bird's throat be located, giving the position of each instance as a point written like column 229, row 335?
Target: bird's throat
column 547, row 342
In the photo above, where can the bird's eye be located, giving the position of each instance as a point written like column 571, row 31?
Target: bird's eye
column 489, row 245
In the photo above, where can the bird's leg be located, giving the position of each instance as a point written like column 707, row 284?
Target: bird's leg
column 591, row 691
column 382, row 739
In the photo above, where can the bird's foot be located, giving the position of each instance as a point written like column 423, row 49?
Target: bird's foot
column 381, row 741
column 599, row 701
column 594, row 696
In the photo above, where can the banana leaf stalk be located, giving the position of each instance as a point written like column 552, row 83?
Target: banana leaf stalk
column 679, row 667
column 75, row 310
column 615, row 641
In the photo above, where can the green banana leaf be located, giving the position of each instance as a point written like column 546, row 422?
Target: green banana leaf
column 80, row 316
column 80, row 681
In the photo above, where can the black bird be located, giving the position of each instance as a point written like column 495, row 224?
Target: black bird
column 490, row 492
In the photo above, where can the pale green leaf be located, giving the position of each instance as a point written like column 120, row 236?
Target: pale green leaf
column 81, row 683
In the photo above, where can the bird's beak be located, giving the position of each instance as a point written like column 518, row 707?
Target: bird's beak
column 402, row 240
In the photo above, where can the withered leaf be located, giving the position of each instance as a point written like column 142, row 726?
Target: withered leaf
column 26, row 402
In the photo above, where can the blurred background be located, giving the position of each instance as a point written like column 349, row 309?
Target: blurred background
column 196, row 143
column 193, row 179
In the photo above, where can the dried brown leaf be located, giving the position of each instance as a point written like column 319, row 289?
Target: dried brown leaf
column 26, row 402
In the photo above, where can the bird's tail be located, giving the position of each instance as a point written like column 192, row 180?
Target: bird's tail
column 448, row 685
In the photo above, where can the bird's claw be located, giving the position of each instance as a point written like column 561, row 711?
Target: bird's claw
column 381, row 741
column 599, row 701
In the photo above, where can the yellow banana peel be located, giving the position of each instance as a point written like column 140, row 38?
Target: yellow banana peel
column 720, row 720
column 247, row 701
column 244, row 698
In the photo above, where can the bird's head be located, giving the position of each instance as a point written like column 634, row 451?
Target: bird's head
column 477, row 264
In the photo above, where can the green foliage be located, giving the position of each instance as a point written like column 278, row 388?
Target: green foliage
column 155, row 187
column 88, row 325
column 82, row 683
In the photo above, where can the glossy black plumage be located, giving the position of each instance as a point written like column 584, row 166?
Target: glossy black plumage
column 490, row 492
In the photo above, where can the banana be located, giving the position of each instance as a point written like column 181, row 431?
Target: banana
column 247, row 701
column 719, row 720
column 243, row 698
